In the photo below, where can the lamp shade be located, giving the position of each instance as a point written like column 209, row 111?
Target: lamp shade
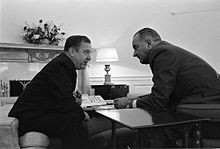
column 106, row 55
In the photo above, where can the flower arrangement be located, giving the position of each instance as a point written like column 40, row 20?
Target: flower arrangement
column 43, row 33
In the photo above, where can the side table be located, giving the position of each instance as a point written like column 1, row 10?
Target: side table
column 112, row 91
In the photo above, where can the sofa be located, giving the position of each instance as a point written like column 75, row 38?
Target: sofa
column 99, row 129
column 8, row 129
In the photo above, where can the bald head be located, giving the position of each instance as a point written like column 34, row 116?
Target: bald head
column 148, row 33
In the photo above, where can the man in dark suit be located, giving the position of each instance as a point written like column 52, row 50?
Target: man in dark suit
column 179, row 76
column 47, row 104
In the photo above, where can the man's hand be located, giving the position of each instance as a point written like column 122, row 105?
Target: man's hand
column 121, row 103
column 87, row 117
column 78, row 97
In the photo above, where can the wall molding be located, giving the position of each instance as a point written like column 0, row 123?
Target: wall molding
column 12, row 52
column 121, row 78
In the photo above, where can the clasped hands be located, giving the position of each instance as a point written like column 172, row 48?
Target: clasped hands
column 78, row 98
column 123, row 102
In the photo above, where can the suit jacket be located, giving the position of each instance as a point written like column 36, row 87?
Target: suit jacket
column 50, row 91
column 179, row 77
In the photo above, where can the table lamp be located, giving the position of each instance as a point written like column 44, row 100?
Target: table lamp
column 107, row 55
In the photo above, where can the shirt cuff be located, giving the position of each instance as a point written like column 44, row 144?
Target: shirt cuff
column 134, row 104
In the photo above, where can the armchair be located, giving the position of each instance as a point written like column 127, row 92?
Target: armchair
column 211, row 111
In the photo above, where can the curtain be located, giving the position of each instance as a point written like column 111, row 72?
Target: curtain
column 83, row 84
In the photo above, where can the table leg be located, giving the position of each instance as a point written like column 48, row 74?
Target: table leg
column 140, row 138
column 187, row 129
column 114, row 134
column 185, row 139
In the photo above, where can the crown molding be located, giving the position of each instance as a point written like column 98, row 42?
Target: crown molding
column 13, row 52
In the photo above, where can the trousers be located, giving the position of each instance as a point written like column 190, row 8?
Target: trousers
column 69, row 128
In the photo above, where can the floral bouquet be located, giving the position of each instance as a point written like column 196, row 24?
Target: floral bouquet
column 43, row 33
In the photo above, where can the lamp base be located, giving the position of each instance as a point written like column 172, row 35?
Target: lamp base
column 107, row 79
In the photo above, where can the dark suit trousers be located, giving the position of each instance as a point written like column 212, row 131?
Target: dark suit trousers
column 65, row 126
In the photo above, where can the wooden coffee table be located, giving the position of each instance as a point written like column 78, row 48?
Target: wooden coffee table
column 141, row 119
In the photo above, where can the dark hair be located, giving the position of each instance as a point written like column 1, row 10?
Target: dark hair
column 75, row 41
column 148, row 32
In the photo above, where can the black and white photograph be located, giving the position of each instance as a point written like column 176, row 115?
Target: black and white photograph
column 109, row 74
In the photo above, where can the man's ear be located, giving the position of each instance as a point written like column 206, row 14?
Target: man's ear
column 72, row 51
column 149, row 43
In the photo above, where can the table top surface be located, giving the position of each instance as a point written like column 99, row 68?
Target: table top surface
column 140, row 118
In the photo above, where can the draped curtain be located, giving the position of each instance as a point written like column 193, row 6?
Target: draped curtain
column 83, row 84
